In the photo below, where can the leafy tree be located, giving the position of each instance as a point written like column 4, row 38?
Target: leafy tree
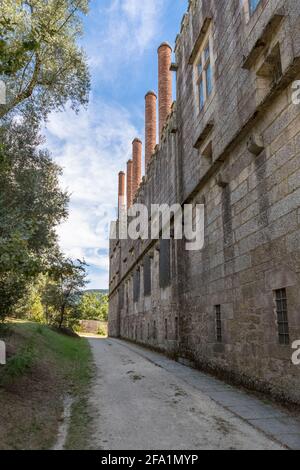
column 93, row 306
column 30, row 306
column 40, row 60
column 31, row 205
column 68, row 278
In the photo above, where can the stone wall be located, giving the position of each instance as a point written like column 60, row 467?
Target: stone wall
column 240, row 156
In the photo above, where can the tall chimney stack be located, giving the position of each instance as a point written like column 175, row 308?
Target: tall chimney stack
column 150, row 126
column 129, row 183
column 164, row 84
column 121, row 191
column 137, row 148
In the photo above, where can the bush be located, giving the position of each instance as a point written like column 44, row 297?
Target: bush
column 102, row 331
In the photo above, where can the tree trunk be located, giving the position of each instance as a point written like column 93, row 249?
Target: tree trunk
column 62, row 316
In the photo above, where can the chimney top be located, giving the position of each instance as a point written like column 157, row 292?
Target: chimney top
column 137, row 140
column 165, row 44
column 151, row 92
column 121, row 173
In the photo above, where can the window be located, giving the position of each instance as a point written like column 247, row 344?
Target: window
column 218, row 324
column 154, row 330
column 147, row 276
column 204, row 73
column 141, row 331
column 176, row 329
column 166, row 329
column 164, row 264
column 282, row 316
column 136, row 286
column 253, row 4
column 127, row 296
column 121, row 297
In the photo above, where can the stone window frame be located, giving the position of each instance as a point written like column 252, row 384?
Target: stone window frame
column 206, row 62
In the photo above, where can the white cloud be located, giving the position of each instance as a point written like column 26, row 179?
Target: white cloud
column 92, row 148
column 129, row 27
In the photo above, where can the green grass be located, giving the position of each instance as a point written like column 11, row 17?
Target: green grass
column 42, row 368
column 19, row 364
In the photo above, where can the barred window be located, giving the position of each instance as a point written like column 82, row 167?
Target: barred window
column 282, row 316
column 219, row 335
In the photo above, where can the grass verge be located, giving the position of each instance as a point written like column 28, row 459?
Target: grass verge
column 43, row 367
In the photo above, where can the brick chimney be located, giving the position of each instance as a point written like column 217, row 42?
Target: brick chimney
column 129, row 183
column 137, row 148
column 121, row 191
column 150, row 126
column 164, row 84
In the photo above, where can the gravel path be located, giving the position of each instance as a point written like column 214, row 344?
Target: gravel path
column 144, row 401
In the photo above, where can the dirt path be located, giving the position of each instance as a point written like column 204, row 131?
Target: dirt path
column 145, row 401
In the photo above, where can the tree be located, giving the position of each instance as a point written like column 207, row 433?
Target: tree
column 31, row 206
column 93, row 306
column 30, row 306
column 41, row 63
column 67, row 280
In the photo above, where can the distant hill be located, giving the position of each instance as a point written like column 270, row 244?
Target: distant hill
column 96, row 291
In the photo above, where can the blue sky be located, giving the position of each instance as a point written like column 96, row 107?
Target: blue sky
column 121, row 39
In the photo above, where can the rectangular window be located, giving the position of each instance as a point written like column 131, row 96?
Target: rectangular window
column 204, row 72
column 218, row 324
column 282, row 316
column 253, row 4
column 121, row 297
column 154, row 330
column 176, row 329
column 166, row 329
column 136, row 286
column 164, row 264
column 147, row 276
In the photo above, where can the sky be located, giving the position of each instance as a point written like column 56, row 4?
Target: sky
column 121, row 40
